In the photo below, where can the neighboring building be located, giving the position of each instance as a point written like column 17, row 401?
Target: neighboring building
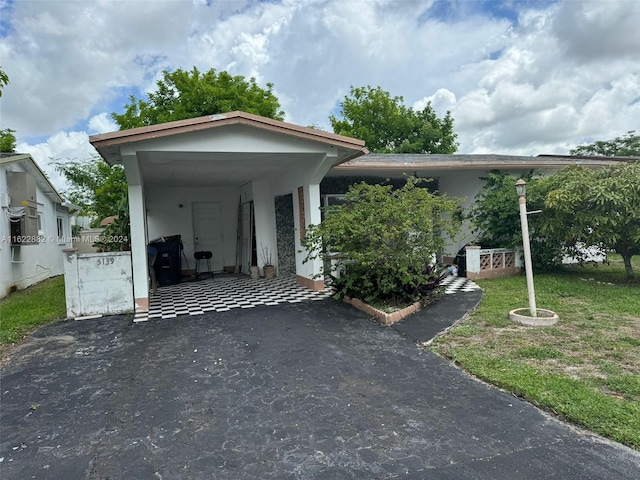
column 35, row 224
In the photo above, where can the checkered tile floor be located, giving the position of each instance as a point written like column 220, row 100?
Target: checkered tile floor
column 223, row 293
column 453, row 284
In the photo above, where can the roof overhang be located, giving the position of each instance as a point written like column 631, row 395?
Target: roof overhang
column 442, row 163
column 229, row 148
column 30, row 166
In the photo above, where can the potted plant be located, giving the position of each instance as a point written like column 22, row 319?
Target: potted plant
column 267, row 262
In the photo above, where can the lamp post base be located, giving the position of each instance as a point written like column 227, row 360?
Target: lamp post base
column 544, row 318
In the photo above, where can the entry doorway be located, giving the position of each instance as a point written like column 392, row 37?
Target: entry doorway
column 207, row 233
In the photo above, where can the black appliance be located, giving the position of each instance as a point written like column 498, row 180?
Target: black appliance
column 168, row 263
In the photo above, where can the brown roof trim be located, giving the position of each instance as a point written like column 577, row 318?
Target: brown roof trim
column 396, row 162
column 218, row 120
column 591, row 157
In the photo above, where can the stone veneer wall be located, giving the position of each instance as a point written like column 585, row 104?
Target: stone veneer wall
column 285, row 235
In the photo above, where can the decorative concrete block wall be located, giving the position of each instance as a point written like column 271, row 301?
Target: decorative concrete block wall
column 491, row 262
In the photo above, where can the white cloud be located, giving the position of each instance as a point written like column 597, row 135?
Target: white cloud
column 563, row 74
column 101, row 123
column 441, row 101
column 542, row 95
column 60, row 147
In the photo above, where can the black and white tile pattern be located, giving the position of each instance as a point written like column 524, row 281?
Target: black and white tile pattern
column 455, row 284
column 223, row 293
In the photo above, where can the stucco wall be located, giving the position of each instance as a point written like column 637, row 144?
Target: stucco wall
column 165, row 216
column 466, row 185
column 85, row 240
column 28, row 264
column 98, row 283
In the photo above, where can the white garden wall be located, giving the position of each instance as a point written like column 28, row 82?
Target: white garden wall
column 98, row 283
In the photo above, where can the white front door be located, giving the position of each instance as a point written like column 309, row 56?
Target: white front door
column 207, row 231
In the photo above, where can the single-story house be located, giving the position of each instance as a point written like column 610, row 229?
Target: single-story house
column 245, row 188
column 35, row 224
column 457, row 175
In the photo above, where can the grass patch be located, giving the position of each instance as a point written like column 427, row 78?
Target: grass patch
column 541, row 353
column 23, row 311
column 586, row 368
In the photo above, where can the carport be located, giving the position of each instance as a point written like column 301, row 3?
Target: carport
column 213, row 180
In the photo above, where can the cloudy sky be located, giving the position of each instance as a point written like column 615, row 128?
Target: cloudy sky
column 519, row 77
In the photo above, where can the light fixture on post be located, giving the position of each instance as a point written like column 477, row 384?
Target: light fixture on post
column 547, row 317
column 521, row 188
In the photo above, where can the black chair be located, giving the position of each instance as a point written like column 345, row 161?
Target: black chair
column 204, row 255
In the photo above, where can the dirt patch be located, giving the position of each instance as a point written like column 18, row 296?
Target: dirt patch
column 5, row 352
column 36, row 345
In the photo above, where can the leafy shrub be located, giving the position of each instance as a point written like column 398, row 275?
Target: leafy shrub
column 385, row 241
column 389, row 286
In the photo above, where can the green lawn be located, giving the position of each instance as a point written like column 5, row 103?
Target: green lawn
column 586, row 368
column 23, row 311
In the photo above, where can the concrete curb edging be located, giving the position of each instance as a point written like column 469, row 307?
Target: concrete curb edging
column 383, row 317
column 545, row 318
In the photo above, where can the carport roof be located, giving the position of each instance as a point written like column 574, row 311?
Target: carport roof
column 108, row 144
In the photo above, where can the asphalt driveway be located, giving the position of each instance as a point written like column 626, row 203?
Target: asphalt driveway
column 302, row 391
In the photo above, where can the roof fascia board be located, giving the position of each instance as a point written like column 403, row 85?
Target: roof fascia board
column 391, row 162
column 214, row 121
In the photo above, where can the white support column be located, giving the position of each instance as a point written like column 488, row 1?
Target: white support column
column 306, row 208
column 137, row 215
column 265, row 221
column 306, row 211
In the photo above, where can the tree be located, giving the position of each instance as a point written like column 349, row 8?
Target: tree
column 181, row 95
column 388, row 126
column 4, row 81
column 627, row 145
column 116, row 235
column 7, row 137
column 495, row 213
column 599, row 207
column 386, row 239
column 95, row 186
column 496, row 217
column 102, row 190
column 7, row 141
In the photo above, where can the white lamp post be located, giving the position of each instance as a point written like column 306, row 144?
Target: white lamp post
column 521, row 188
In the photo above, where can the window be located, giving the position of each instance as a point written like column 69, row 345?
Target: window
column 40, row 230
column 333, row 199
column 60, row 224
